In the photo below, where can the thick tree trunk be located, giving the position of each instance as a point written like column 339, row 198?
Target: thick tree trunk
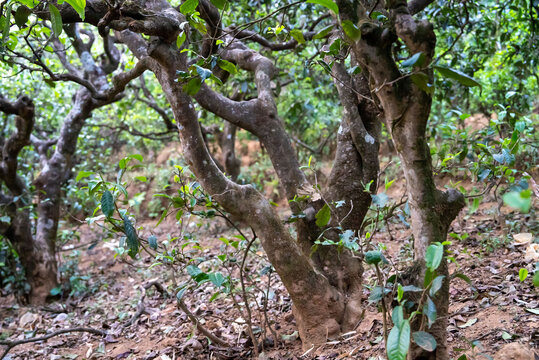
column 432, row 212
column 406, row 110
column 55, row 171
column 319, row 306
column 35, row 255
column 37, row 252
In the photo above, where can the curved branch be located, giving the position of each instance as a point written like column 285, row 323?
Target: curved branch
column 256, row 37
column 23, row 108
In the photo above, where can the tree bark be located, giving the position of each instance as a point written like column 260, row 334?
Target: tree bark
column 406, row 111
column 37, row 252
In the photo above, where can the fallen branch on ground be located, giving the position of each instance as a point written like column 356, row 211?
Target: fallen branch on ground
column 199, row 326
column 11, row 344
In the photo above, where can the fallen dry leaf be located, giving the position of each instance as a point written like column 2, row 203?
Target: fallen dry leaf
column 532, row 253
column 522, row 239
column 468, row 323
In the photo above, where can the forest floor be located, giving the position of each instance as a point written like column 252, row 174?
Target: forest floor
column 489, row 248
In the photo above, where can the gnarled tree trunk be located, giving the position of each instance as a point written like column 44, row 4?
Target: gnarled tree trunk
column 36, row 243
column 406, row 109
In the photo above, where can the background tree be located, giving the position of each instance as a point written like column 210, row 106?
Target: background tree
column 36, row 244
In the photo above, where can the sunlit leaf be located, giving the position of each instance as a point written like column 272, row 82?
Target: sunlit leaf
column 323, row 216
column 56, row 20
column 188, row 7
column 326, row 3
column 457, row 75
column 398, row 341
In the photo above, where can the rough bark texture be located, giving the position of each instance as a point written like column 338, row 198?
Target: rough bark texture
column 35, row 254
column 326, row 289
column 406, row 111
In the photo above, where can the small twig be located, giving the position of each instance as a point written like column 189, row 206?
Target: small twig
column 11, row 344
column 384, row 308
column 141, row 309
column 199, row 326
column 246, row 299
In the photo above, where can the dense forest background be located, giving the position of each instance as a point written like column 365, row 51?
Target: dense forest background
column 275, row 180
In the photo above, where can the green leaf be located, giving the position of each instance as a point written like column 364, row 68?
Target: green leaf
column 323, row 216
column 141, row 178
column 351, row 30
column 522, row 274
column 324, row 32
column 203, row 72
column 411, row 288
column 31, row 3
column 535, row 279
column 220, row 4
column 21, row 15
column 56, row 20
column 107, row 203
column 192, row 87
column 152, row 241
column 163, row 216
column 424, row 340
column 463, row 277
column 506, row 335
column 227, row 66
column 397, row 316
column 429, row 309
column 373, row 257
column 400, row 293
column 418, row 59
column 398, row 341
column 136, row 157
column 181, row 292
column 457, row 75
column 181, row 39
column 188, row 7
column 421, row 80
column 434, row 256
column 56, row 291
column 5, row 20
column 132, row 238
column 326, row 3
column 217, row 279
column 83, row 174
column 78, row 5
column 193, row 270
column 298, row 36
column 376, row 294
column 518, row 200
column 436, row 285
